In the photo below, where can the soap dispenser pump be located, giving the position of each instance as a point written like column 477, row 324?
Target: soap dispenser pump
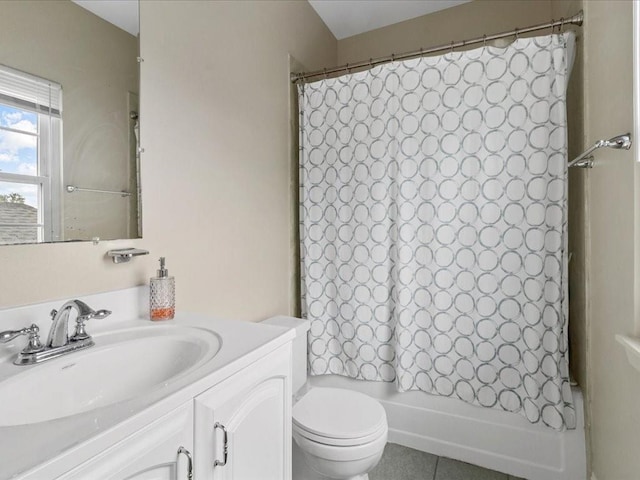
column 162, row 295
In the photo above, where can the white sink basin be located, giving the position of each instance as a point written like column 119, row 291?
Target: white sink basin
column 123, row 365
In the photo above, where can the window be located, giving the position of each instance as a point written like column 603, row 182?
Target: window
column 30, row 158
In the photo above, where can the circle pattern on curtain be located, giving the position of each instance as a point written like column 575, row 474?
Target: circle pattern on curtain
column 433, row 226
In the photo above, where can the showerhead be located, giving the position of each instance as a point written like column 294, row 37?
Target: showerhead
column 585, row 159
column 621, row 141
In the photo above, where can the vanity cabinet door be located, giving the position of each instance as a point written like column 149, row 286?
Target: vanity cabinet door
column 252, row 410
column 149, row 454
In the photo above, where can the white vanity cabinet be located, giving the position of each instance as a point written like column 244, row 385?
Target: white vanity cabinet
column 248, row 415
column 150, row 454
column 251, row 410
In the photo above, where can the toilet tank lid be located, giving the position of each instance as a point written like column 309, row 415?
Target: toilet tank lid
column 338, row 413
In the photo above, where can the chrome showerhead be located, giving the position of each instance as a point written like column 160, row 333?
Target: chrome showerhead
column 585, row 159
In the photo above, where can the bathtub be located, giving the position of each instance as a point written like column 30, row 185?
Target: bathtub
column 493, row 439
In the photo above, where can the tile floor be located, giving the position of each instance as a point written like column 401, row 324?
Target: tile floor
column 403, row 463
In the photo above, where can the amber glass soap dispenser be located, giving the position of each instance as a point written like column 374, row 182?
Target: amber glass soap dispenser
column 162, row 291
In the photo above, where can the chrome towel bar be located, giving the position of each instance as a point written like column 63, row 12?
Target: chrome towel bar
column 73, row 188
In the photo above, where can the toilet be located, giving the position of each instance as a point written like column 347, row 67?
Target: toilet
column 337, row 433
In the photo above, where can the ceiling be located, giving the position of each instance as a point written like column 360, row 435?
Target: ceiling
column 346, row 18
column 122, row 13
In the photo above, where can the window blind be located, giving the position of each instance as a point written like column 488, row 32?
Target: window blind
column 26, row 91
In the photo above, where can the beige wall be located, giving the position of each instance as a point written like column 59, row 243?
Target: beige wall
column 215, row 172
column 95, row 62
column 614, row 386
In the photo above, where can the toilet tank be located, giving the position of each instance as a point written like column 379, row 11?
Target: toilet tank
column 299, row 359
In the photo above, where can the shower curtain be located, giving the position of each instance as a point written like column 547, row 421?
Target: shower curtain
column 434, row 226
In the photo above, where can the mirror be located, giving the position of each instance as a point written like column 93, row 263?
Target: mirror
column 69, row 130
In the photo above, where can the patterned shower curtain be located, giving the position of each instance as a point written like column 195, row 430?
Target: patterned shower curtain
column 434, row 226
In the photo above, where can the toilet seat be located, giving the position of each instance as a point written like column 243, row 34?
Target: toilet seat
column 339, row 417
column 340, row 442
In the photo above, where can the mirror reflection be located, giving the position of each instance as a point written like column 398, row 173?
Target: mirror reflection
column 69, row 130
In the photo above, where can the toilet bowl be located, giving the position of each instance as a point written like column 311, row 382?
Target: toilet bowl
column 341, row 434
column 337, row 433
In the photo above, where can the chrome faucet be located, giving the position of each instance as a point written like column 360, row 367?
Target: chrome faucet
column 59, row 332
column 58, row 342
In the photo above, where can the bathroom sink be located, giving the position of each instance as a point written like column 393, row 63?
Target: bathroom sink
column 123, row 365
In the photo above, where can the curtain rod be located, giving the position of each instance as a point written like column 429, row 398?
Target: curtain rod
column 577, row 19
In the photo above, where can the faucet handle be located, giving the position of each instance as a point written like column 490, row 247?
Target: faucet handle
column 80, row 333
column 8, row 335
column 100, row 314
column 53, row 314
column 34, row 344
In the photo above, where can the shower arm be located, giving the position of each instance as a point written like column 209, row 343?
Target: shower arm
column 585, row 159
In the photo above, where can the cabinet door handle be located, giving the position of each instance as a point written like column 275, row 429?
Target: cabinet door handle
column 225, row 439
column 189, row 462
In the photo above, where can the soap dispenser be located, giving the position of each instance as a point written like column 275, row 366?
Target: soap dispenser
column 162, row 295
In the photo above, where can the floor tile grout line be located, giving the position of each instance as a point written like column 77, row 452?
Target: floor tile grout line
column 450, row 466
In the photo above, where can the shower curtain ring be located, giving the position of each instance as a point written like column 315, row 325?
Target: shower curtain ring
column 484, row 40
column 517, row 33
column 451, row 46
column 325, row 73
column 371, row 62
column 561, row 24
column 347, row 68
